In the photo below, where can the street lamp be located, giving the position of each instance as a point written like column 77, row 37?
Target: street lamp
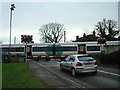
column 11, row 8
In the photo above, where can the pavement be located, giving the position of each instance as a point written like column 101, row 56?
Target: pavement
column 47, row 77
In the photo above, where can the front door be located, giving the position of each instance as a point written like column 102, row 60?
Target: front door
column 29, row 51
column 70, row 63
column 81, row 48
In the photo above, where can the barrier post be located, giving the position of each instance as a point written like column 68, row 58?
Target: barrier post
column 26, row 53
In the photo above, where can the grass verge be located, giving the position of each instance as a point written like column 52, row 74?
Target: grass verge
column 18, row 75
column 0, row 75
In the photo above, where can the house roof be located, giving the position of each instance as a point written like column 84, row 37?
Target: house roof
column 90, row 37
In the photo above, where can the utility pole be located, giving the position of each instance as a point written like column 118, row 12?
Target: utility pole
column 64, row 36
column 14, row 40
column 11, row 8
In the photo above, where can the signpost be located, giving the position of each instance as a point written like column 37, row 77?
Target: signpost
column 26, row 39
column 102, row 42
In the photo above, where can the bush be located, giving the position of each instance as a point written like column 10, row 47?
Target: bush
column 111, row 58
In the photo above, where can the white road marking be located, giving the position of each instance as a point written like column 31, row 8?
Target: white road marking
column 108, row 73
column 54, row 65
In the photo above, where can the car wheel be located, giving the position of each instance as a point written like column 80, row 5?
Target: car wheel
column 94, row 73
column 73, row 72
column 61, row 68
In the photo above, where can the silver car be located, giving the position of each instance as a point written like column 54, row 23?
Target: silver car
column 81, row 63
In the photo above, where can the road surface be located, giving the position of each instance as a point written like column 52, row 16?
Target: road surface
column 105, row 78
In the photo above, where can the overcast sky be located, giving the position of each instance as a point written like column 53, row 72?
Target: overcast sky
column 77, row 17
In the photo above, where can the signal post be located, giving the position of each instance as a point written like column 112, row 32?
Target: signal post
column 26, row 39
column 102, row 42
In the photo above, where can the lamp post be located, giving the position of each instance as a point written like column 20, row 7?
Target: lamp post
column 11, row 8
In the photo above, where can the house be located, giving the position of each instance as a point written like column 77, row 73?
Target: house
column 89, row 37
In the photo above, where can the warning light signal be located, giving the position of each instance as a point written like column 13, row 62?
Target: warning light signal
column 26, row 38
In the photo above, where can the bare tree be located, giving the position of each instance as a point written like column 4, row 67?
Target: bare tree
column 100, row 28
column 111, row 26
column 52, row 32
column 107, row 29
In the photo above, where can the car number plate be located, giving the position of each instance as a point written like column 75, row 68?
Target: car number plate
column 88, row 63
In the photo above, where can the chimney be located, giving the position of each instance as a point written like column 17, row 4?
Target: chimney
column 77, row 37
column 94, row 33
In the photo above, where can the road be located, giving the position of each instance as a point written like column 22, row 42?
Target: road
column 49, row 79
column 105, row 78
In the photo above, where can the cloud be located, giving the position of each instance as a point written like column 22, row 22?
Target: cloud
column 72, row 33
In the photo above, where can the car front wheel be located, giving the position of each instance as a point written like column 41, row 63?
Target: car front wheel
column 61, row 68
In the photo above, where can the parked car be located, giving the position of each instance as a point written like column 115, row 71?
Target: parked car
column 81, row 63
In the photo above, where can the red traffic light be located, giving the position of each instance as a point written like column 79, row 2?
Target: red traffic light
column 24, row 37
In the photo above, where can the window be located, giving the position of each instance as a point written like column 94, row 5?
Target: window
column 67, row 58
column 71, row 60
column 66, row 48
column 14, row 49
column 93, row 48
column 38, row 49
column 17, row 49
column 5, row 49
column 85, row 58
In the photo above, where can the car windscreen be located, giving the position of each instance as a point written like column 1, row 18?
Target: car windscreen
column 85, row 58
